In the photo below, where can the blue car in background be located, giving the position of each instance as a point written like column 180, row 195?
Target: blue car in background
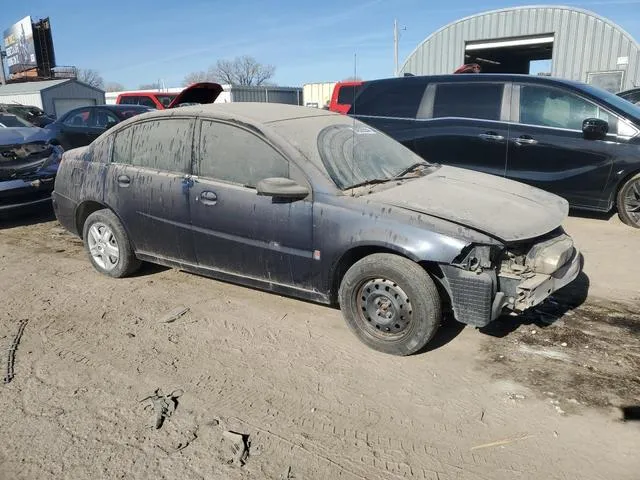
column 28, row 164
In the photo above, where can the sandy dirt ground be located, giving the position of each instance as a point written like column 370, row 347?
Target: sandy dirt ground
column 536, row 397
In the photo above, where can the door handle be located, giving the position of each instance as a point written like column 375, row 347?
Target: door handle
column 525, row 140
column 491, row 137
column 208, row 198
column 124, row 180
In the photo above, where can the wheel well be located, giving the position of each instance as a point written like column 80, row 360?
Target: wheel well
column 621, row 184
column 83, row 211
column 358, row 253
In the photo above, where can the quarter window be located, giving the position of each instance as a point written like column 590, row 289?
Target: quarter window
column 233, row 154
column 468, row 100
column 163, row 145
column 550, row 107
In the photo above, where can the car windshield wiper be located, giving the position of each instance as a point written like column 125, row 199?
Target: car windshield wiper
column 400, row 176
column 413, row 168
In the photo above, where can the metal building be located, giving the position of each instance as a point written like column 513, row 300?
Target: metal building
column 55, row 97
column 581, row 45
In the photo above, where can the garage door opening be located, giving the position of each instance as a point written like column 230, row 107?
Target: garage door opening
column 515, row 55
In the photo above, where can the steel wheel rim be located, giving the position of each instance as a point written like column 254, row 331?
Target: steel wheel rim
column 103, row 246
column 384, row 309
column 632, row 202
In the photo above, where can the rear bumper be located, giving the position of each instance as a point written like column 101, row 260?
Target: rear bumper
column 64, row 209
column 17, row 194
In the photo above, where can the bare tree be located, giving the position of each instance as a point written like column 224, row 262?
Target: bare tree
column 114, row 87
column 196, row 77
column 150, row 86
column 90, row 77
column 243, row 70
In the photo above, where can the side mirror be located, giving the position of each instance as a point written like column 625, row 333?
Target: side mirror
column 595, row 129
column 281, row 188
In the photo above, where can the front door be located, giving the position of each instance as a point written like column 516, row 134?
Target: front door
column 463, row 125
column 148, row 186
column 74, row 131
column 547, row 148
column 236, row 231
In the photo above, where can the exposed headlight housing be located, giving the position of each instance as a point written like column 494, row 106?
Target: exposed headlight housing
column 547, row 257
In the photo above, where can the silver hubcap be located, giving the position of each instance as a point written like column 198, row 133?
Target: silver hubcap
column 103, row 246
column 632, row 202
column 385, row 309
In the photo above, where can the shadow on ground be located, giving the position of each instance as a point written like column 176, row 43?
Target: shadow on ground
column 26, row 217
column 548, row 312
column 605, row 216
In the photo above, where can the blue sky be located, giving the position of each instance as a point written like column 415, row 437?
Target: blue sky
column 141, row 41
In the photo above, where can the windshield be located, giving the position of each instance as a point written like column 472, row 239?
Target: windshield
column 10, row 121
column 357, row 154
column 621, row 104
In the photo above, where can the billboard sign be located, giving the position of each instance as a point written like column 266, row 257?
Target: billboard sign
column 19, row 47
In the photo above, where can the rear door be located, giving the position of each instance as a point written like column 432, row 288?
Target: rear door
column 547, row 148
column 101, row 120
column 148, row 186
column 464, row 124
column 235, row 230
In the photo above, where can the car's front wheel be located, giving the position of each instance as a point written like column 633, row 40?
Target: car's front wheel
column 108, row 245
column 628, row 202
column 390, row 303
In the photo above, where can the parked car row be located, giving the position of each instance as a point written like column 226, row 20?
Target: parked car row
column 568, row 138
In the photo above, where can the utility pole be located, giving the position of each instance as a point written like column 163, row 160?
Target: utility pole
column 395, row 48
column 396, row 37
column 3, row 78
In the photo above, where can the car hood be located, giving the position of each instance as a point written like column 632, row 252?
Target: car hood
column 199, row 93
column 20, row 135
column 502, row 208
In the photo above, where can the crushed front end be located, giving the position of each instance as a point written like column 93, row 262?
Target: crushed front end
column 27, row 173
column 485, row 281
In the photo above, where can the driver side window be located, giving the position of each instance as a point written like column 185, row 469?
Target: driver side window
column 551, row 107
column 235, row 155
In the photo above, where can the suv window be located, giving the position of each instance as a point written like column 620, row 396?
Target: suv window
column 468, row 100
column 551, row 107
column 162, row 145
column 129, row 101
column 235, row 155
column 396, row 98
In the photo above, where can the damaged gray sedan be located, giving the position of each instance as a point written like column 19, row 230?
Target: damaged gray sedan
column 318, row 206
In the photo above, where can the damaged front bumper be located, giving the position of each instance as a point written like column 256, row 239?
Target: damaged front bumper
column 481, row 287
column 21, row 193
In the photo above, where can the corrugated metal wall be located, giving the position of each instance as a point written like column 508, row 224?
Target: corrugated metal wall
column 69, row 90
column 288, row 95
column 583, row 42
column 24, row 99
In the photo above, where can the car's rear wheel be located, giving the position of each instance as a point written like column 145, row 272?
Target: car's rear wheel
column 390, row 303
column 628, row 202
column 108, row 246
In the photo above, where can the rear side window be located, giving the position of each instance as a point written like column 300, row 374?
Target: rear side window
column 235, row 155
column 398, row 98
column 129, row 101
column 347, row 93
column 468, row 100
column 163, row 145
column 122, row 146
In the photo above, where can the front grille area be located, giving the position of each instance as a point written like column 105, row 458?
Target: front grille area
column 471, row 295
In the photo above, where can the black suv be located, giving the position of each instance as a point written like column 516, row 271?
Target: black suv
column 569, row 138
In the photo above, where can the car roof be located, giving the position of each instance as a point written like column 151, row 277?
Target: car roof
column 256, row 113
column 480, row 77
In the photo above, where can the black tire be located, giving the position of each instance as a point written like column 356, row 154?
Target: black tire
column 126, row 262
column 629, row 197
column 390, row 303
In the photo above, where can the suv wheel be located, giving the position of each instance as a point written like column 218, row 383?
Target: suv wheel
column 628, row 202
column 108, row 246
column 390, row 303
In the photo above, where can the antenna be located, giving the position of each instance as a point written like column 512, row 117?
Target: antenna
column 353, row 125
